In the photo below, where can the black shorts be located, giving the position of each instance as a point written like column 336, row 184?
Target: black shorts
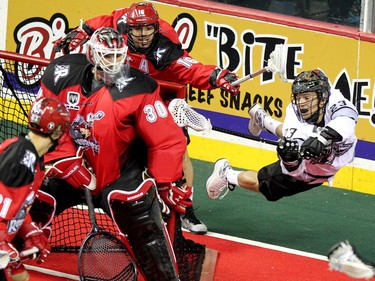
column 274, row 185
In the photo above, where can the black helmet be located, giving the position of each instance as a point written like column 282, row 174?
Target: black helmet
column 311, row 81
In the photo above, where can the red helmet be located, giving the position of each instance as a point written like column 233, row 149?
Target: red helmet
column 48, row 116
column 142, row 14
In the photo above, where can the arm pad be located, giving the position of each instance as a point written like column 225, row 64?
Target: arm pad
column 74, row 171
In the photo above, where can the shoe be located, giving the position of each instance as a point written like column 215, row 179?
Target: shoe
column 190, row 222
column 256, row 123
column 19, row 273
column 217, row 183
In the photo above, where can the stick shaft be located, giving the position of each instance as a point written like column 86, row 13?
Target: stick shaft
column 90, row 206
column 29, row 252
column 249, row 76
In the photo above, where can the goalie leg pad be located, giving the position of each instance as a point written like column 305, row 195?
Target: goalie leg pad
column 138, row 215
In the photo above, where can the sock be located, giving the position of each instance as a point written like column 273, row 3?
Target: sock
column 232, row 176
column 271, row 124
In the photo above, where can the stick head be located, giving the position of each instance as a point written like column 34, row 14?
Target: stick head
column 103, row 256
column 277, row 61
column 185, row 116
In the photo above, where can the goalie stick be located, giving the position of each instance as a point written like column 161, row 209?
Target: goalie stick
column 275, row 64
column 102, row 256
column 343, row 257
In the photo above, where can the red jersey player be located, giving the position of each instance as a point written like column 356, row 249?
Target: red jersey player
column 21, row 175
column 123, row 126
column 154, row 48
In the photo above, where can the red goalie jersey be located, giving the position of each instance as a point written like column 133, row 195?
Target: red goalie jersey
column 116, row 124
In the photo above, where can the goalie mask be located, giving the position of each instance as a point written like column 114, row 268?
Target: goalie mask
column 310, row 93
column 48, row 116
column 107, row 51
column 142, row 26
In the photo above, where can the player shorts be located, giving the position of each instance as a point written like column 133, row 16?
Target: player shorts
column 274, row 184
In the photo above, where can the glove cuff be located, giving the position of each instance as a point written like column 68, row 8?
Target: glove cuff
column 88, row 29
column 29, row 229
column 214, row 75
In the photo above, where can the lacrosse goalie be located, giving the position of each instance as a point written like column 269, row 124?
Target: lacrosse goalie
column 344, row 258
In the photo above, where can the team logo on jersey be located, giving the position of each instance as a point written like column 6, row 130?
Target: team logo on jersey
column 72, row 100
column 159, row 53
column 121, row 83
column 15, row 223
column 61, row 71
column 81, row 130
column 29, row 160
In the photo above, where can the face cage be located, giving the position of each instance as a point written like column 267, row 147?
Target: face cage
column 314, row 117
column 107, row 58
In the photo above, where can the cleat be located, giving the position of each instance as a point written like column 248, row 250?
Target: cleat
column 256, row 123
column 217, row 183
column 191, row 223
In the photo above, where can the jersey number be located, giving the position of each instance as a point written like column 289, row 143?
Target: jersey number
column 153, row 111
column 4, row 204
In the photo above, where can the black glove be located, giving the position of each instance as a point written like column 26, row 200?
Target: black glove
column 288, row 151
column 315, row 147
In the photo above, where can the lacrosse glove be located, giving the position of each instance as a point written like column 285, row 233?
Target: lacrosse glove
column 73, row 39
column 223, row 78
column 315, row 147
column 288, row 151
column 176, row 196
column 33, row 236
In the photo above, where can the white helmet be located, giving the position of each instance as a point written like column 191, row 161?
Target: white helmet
column 107, row 50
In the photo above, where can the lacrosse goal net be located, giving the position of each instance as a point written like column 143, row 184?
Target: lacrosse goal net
column 20, row 77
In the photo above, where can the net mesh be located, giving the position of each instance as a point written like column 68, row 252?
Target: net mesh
column 19, row 84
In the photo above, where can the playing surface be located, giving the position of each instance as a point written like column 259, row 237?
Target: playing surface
column 305, row 226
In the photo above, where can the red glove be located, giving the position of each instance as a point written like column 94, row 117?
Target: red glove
column 176, row 197
column 34, row 237
column 8, row 254
column 72, row 170
column 223, row 78
column 163, row 207
column 73, row 39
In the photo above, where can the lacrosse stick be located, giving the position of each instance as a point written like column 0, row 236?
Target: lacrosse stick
column 102, row 255
column 185, row 116
column 275, row 64
column 344, row 258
